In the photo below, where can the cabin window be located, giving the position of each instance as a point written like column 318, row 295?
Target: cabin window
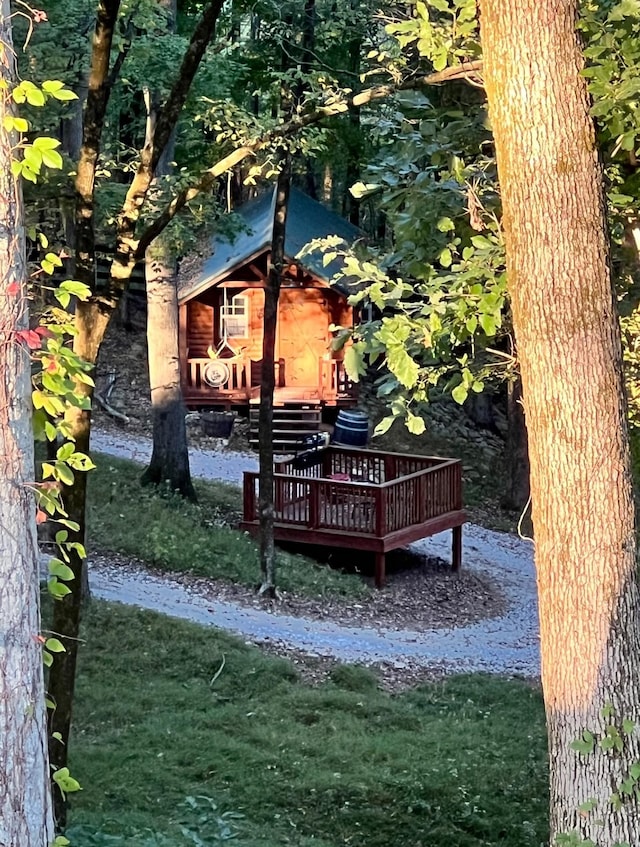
column 234, row 317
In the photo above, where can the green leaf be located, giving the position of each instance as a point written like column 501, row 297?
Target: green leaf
column 72, row 525
column 60, row 570
column 445, row 224
column 78, row 289
column 54, row 645
column 488, row 324
column 52, row 85
column 47, row 658
column 57, row 589
column 64, row 473
column 384, row 425
column 460, row 393
column 585, row 744
column 65, row 781
column 361, row 189
column 52, row 159
column 35, row 97
column 64, row 94
column 445, row 258
column 354, row 362
column 66, row 450
column 415, row 425
column 402, row 366
column 44, row 142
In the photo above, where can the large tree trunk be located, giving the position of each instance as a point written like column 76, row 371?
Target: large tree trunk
column 268, row 381
column 170, row 457
column 25, row 801
column 568, row 341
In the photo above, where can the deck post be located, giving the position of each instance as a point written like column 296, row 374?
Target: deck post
column 249, row 496
column 314, row 504
column 380, row 570
column 456, row 548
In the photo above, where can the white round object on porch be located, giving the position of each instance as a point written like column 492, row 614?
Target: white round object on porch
column 216, row 373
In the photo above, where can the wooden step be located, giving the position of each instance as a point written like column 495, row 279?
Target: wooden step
column 291, row 423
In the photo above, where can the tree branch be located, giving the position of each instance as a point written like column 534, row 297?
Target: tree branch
column 468, row 72
column 123, row 53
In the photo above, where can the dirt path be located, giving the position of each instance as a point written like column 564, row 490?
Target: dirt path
column 507, row 644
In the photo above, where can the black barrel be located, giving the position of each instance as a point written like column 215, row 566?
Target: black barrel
column 352, row 428
column 217, row 424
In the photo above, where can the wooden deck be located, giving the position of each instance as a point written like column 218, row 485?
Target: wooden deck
column 363, row 499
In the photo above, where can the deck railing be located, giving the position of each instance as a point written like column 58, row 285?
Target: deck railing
column 385, row 493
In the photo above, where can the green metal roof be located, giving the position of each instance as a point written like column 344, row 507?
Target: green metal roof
column 306, row 220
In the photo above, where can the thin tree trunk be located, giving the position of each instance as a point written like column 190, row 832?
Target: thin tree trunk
column 25, row 800
column 92, row 317
column 91, row 322
column 268, row 381
column 516, row 494
column 351, row 206
column 568, row 340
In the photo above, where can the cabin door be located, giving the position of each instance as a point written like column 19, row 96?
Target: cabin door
column 303, row 335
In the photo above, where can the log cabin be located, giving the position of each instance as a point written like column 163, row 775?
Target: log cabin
column 221, row 314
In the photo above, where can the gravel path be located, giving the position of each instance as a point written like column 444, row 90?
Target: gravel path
column 506, row 645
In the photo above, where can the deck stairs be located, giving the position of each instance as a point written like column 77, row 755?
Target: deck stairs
column 291, row 422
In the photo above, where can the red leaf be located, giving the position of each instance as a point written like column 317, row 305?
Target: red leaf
column 30, row 338
column 40, row 516
column 12, row 289
column 44, row 332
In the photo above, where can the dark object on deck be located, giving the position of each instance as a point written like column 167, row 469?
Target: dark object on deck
column 217, row 424
column 309, row 450
column 352, row 428
column 363, row 499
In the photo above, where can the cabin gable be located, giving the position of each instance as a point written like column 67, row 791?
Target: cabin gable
column 221, row 326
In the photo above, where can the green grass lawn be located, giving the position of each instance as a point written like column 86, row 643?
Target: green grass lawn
column 165, row 531
column 454, row 764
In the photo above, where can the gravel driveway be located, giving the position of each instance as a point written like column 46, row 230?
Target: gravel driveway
column 505, row 645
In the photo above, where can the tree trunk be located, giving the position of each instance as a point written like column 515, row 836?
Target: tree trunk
column 516, row 494
column 170, row 457
column 92, row 317
column 569, row 348
column 268, row 381
column 25, row 801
